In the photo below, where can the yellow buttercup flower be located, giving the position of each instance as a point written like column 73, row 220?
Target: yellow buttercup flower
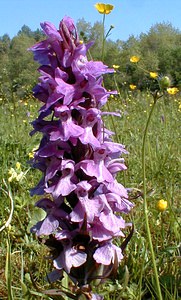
column 134, row 59
column 116, row 66
column 161, row 205
column 103, row 8
column 132, row 86
column 153, row 75
column 172, row 91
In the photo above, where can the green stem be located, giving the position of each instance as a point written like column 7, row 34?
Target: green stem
column 113, row 123
column 103, row 38
column 8, row 269
column 145, row 202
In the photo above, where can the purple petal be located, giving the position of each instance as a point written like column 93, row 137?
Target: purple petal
column 106, row 254
column 46, row 227
column 55, row 275
column 98, row 170
column 51, row 31
column 96, row 297
column 69, row 258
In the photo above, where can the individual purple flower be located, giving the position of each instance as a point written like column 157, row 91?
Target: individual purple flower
column 69, row 128
column 69, row 258
column 50, row 223
column 92, row 125
column 64, row 184
column 107, row 253
column 82, row 199
column 97, row 166
column 85, row 205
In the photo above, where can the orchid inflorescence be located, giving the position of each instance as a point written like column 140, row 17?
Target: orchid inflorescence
column 79, row 161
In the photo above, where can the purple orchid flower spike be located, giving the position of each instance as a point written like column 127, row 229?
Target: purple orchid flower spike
column 82, row 199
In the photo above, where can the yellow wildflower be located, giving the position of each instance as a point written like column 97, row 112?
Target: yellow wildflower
column 153, row 75
column 132, row 86
column 32, row 153
column 172, row 91
column 161, row 205
column 134, row 59
column 14, row 176
column 179, row 107
column 103, row 8
column 115, row 66
column 18, row 165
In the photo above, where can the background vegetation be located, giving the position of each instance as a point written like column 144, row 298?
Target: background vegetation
column 23, row 266
column 159, row 49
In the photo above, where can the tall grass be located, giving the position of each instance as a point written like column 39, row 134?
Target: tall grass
column 23, row 266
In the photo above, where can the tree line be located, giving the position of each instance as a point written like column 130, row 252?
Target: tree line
column 159, row 50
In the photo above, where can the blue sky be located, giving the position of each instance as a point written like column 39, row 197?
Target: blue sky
column 129, row 16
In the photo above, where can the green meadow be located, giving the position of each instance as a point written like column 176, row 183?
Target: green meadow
column 23, row 260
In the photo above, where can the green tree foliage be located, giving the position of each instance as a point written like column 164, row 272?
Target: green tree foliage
column 159, row 51
column 20, row 59
column 4, row 52
column 89, row 33
column 158, row 48
column 18, row 70
column 175, row 64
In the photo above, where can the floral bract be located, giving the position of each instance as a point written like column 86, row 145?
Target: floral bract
column 164, row 82
column 79, row 162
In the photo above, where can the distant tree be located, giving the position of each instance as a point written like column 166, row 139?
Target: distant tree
column 161, row 39
column 25, row 30
column 91, row 33
column 84, row 29
column 38, row 35
column 159, row 51
column 21, row 68
column 175, row 65
column 4, row 43
column 155, row 49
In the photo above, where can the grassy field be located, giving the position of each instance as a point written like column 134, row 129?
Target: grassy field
column 23, row 266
